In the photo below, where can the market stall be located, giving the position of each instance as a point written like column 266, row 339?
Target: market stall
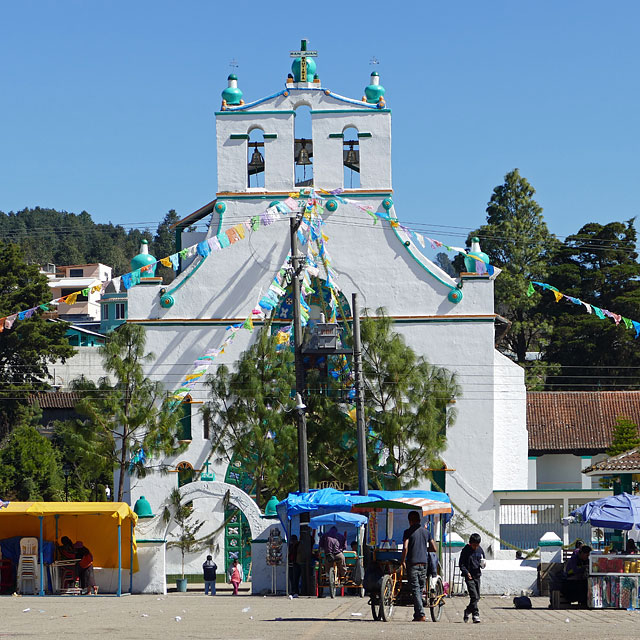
column 614, row 579
column 105, row 528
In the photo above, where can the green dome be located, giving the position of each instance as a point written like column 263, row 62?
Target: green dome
column 143, row 259
column 143, row 508
column 270, row 507
column 470, row 263
column 232, row 94
column 375, row 90
column 311, row 69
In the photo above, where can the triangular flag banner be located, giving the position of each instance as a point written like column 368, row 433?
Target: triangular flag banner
column 557, row 295
column 530, row 290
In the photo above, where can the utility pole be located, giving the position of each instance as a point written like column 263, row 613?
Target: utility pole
column 296, row 263
column 303, row 460
column 363, row 480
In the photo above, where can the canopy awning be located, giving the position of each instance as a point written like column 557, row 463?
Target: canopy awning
column 338, row 517
column 614, row 512
column 93, row 523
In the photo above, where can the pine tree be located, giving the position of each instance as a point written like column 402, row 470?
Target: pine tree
column 625, row 436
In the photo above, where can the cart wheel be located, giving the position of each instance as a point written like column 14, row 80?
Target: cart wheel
column 436, row 597
column 374, row 608
column 332, row 581
column 386, row 599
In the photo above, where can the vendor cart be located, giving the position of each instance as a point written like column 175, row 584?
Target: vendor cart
column 326, row 572
column 386, row 582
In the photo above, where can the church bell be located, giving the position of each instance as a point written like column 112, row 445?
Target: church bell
column 257, row 161
column 303, row 155
column 352, row 156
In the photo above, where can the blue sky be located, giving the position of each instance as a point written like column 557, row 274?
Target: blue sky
column 108, row 106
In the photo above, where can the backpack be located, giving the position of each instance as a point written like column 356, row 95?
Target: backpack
column 522, row 602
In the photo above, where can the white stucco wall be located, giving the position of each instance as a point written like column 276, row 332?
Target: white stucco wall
column 559, row 471
column 151, row 577
column 86, row 362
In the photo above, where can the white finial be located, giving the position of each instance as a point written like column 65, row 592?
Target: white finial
column 144, row 247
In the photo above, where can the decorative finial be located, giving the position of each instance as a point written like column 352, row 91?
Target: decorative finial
column 232, row 96
column 303, row 67
column 375, row 91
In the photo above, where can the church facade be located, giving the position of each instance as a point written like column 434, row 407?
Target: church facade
column 264, row 153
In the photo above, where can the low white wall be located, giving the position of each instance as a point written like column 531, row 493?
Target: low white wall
column 509, row 577
column 151, row 576
column 261, row 572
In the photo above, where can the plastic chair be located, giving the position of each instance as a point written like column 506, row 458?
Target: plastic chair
column 28, row 564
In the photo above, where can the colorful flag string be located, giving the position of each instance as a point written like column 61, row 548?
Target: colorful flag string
column 590, row 308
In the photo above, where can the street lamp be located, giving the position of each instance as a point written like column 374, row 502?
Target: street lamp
column 66, row 469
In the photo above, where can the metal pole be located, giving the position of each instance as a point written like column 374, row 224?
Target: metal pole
column 296, row 259
column 363, row 480
column 119, row 592
column 41, row 550
column 303, row 460
column 131, row 560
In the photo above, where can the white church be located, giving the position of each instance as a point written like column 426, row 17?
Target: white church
column 306, row 136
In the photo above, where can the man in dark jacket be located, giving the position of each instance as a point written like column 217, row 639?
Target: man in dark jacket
column 471, row 563
column 416, row 544
column 209, row 569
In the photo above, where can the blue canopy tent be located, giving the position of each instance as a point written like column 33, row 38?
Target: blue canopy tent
column 338, row 517
column 614, row 512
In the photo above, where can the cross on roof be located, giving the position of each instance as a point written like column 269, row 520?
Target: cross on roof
column 303, row 54
column 234, row 64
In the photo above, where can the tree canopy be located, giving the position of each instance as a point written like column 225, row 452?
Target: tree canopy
column 30, row 345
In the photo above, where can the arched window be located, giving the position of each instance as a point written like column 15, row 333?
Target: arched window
column 351, row 158
column 184, row 422
column 185, row 473
column 303, row 148
column 255, row 158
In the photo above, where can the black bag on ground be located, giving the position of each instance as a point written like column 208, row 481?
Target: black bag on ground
column 522, row 602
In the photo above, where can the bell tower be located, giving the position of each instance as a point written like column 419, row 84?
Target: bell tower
column 261, row 151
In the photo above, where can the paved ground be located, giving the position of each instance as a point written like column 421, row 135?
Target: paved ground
column 247, row 617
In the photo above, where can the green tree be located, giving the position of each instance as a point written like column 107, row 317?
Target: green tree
column 598, row 265
column 408, row 405
column 130, row 414
column 181, row 514
column 517, row 240
column 625, row 436
column 251, row 413
column 29, row 465
column 30, row 345
column 164, row 244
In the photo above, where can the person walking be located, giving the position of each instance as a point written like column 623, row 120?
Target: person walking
column 235, row 575
column 471, row 563
column 416, row 544
column 209, row 569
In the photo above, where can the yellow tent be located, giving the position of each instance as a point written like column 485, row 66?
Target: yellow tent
column 105, row 528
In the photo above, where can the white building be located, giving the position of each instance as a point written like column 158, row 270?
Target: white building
column 449, row 321
column 87, row 279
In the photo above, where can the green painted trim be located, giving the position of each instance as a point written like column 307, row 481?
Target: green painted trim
column 336, row 135
column 239, row 136
column 364, row 134
column 550, row 543
column 151, row 540
column 249, row 113
column 533, row 457
column 270, row 136
column 455, row 543
column 180, row 284
column 586, row 457
column 347, row 111
column 451, row 287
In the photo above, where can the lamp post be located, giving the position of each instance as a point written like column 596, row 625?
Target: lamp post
column 66, row 469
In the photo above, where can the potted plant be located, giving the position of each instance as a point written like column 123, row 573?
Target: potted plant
column 185, row 539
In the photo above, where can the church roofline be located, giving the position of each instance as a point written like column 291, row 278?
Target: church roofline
column 364, row 106
column 202, row 212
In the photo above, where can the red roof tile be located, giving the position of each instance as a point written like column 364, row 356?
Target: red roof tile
column 577, row 421
column 55, row 399
column 627, row 461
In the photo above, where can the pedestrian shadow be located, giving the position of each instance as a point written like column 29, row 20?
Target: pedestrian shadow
column 356, row 619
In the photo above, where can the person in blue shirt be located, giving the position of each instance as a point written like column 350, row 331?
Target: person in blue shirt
column 416, row 544
column 471, row 563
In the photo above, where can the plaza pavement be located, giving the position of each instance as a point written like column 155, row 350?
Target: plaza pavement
column 256, row 617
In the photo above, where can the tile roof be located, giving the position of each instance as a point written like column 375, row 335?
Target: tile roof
column 55, row 399
column 577, row 421
column 627, row 461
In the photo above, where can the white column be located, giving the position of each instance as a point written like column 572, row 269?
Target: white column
column 585, row 461
column 565, row 513
column 533, row 473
